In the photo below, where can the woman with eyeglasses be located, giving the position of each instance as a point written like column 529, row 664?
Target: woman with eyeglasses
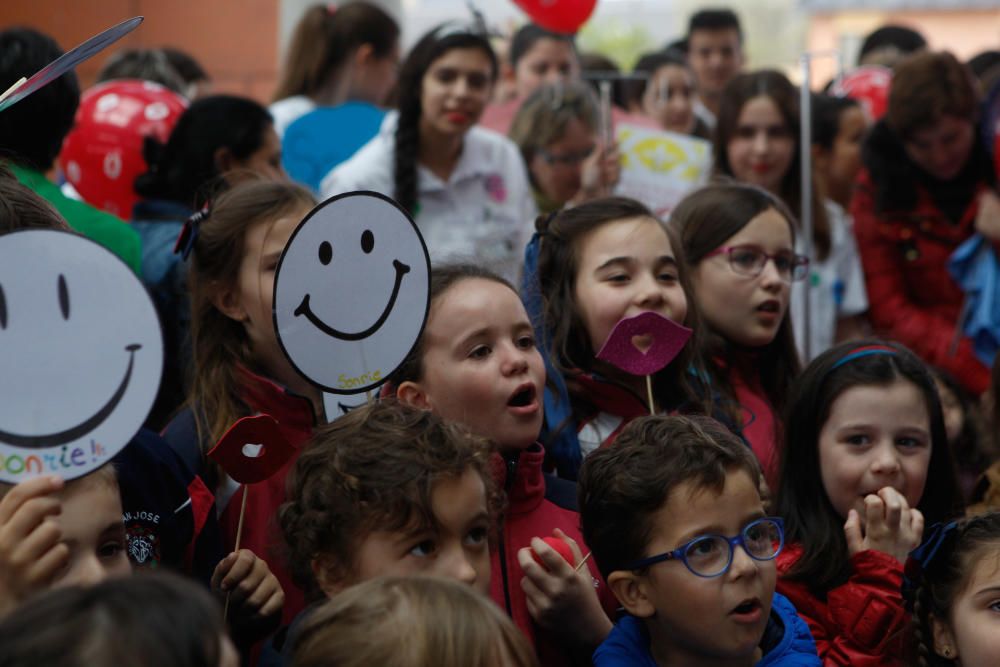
column 556, row 130
column 757, row 142
column 465, row 186
column 738, row 243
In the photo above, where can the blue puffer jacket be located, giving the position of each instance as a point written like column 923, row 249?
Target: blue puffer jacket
column 787, row 642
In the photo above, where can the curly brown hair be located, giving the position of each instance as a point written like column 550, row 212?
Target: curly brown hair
column 376, row 467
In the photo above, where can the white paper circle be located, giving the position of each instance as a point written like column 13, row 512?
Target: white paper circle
column 81, row 354
column 351, row 292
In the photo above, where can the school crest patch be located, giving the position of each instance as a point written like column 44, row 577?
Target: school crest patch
column 143, row 545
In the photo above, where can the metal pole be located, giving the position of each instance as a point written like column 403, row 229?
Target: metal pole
column 805, row 150
column 607, row 132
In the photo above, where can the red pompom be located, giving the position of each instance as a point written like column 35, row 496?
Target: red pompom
column 561, row 547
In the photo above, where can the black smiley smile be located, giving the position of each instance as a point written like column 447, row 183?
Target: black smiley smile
column 83, row 428
column 304, row 309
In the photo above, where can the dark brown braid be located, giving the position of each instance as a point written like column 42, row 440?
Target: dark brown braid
column 944, row 579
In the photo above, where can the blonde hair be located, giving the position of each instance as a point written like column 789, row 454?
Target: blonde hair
column 411, row 622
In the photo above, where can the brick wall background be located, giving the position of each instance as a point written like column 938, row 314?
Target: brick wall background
column 236, row 41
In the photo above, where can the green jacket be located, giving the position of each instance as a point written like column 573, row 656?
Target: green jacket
column 108, row 230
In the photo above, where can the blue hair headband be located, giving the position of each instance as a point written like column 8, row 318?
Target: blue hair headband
column 864, row 351
column 922, row 557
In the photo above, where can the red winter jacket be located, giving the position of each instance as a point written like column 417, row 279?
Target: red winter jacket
column 536, row 505
column 614, row 407
column 260, row 530
column 912, row 298
column 861, row 623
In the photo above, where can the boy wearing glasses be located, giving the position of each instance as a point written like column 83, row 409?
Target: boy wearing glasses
column 678, row 530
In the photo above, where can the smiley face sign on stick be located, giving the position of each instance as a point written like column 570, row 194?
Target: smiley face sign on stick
column 80, row 355
column 351, row 292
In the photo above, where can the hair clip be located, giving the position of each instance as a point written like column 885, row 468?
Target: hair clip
column 922, row 557
column 189, row 232
column 478, row 19
column 476, row 27
column 542, row 223
column 864, row 351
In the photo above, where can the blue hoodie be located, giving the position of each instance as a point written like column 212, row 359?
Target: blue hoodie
column 787, row 642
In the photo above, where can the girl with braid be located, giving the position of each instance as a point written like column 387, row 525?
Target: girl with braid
column 953, row 589
column 466, row 187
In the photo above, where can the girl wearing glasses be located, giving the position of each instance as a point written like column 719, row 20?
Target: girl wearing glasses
column 466, row 187
column 866, row 466
column 557, row 131
column 757, row 142
column 738, row 242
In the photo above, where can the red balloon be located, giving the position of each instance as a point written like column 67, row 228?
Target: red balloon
column 561, row 547
column 869, row 85
column 563, row 16
column 102, row 154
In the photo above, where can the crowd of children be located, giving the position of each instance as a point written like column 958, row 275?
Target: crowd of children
column 798, row 486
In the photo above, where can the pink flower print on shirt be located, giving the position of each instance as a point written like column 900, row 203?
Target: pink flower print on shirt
column 495, row 188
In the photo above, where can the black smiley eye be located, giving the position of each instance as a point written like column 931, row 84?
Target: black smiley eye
column 3, row 309
column 367, row 241
column 325, row 252
column 63, row 297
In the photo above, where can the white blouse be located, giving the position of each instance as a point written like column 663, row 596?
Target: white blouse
column 483, row 213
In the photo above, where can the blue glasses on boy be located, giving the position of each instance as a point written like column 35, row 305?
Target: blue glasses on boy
column 711, row 555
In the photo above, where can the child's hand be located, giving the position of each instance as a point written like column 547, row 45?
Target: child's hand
column 988, row 215
column 255, row 596
column 890, row 526
column 599, row 173
column 560, row 598
column 31, row 554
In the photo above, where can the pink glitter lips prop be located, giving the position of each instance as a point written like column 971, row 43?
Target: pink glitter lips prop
column 644, row 344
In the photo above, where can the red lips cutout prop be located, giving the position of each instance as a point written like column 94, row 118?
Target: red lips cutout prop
column 644, row 344
column 252, row 450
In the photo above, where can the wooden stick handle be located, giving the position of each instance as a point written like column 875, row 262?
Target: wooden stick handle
column 579, row 566
column 239, row 536
column 649, row 394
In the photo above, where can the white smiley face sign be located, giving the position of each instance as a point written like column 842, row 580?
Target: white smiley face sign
column 351, row 292
column 80, row 355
